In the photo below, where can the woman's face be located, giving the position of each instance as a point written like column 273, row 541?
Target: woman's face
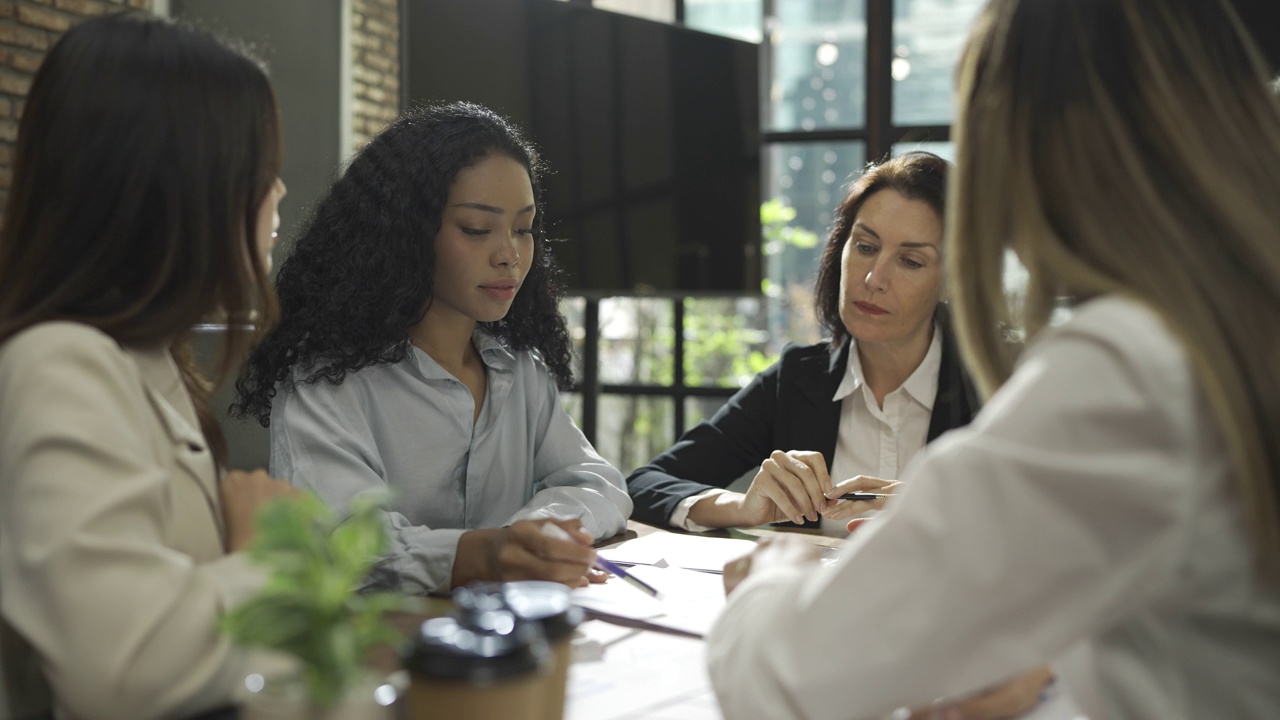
column 485, row 244
column 891, row 270
column 269, row 222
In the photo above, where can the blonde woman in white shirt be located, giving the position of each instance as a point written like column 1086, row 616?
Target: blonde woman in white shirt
column 1116, row 504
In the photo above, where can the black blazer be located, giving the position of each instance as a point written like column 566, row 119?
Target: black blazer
column 787, row 407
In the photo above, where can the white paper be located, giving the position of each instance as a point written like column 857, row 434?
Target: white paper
column 692, row 552
column 690, row 600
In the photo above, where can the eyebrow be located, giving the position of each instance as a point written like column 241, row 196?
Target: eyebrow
column 859, row 225
column 491, row 209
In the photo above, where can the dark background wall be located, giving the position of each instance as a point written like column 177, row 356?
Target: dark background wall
column 301, row 42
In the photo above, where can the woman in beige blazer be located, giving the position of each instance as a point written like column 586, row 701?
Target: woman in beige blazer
column 144, row 198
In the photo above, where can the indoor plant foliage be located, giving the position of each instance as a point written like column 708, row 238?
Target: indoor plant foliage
column 311, row 608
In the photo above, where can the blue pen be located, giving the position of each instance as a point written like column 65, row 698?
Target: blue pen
column 559, row 533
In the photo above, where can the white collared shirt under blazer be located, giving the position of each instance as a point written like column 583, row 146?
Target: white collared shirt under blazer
column 1088, row 510
column 112, row 568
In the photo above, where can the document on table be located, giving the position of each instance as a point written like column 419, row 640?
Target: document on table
column 690, row 600
column 691, row 552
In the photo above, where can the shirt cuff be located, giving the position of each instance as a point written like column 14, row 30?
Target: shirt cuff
column 680, row 517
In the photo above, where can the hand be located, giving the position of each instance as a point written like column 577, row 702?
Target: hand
column 769, row 553
column 790, row 485
column 243, row 494
column 523, row 552
column 843, row 509
column 1007, row 700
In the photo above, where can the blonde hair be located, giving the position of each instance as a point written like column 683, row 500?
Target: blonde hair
column 1129, row 146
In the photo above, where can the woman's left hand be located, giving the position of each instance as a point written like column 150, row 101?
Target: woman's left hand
column 1007, row 700
column 780, row 550
column 845, row 509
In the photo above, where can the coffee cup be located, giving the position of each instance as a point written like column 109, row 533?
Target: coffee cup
column 548, row 604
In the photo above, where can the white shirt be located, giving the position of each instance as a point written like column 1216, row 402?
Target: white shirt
column 1090, row 507
column 409, row 426
column 870, row 440
column 881, row 441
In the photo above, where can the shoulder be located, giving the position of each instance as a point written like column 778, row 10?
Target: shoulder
column 1130, row 333
column 56, row 348
column 794, row 355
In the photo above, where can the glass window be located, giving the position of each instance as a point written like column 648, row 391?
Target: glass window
column 574, row 310
column 806, row 183
column 944, row 150
column 697, row 409
column 725, row 341
column 928, row 36
column 819, row 74
column 733, row 18
column 572, row 404
column 634, row 429
column 660, row 10
column 636, row 339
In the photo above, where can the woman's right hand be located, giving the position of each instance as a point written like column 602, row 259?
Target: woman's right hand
column 243, row 494
column 522, row 551
column 790, row 485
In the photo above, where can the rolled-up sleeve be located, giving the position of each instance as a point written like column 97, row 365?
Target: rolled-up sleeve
column 571, row 479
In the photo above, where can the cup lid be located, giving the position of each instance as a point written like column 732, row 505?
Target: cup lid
column 548, row 603
column 493, row 646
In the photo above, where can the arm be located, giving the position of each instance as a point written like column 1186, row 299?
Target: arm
column 123, row 625
column 1076, row 481
column 711, row 455
column 322, row 442
column 571, row 480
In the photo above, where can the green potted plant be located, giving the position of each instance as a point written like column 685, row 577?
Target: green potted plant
column 311, row 609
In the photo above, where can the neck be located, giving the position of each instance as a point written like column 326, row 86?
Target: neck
column 886, row 366
column 446, row 337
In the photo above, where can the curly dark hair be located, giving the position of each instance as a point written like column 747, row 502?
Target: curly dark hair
column 918, row 175
column 361, row 274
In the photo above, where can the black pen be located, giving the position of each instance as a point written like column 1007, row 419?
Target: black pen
column 864, row 496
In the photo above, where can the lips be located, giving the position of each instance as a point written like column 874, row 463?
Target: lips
column 500, row 289
column 870, row 308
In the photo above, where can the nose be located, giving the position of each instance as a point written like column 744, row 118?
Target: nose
column 877, row 279
column 507, row 253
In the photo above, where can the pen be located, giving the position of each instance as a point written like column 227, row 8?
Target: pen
column 864, row 496
column 557, row 532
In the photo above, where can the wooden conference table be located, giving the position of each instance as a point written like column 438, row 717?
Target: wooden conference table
column 629, row 673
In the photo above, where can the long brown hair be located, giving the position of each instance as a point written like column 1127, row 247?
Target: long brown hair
column 1133, row 147
column 144, row 152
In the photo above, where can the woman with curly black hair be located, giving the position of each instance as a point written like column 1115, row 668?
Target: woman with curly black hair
column 421, row 348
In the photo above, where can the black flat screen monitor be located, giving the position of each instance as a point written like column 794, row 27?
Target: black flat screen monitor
column 653, row 134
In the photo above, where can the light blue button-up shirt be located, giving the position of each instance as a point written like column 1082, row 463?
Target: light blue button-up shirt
column 408, row 426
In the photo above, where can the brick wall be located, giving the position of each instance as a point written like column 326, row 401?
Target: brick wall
column 27, row 29
column 375, row 71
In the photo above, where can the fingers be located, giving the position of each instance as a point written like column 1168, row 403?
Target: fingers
column 796, row 481
column 856, row 523
column 735, row 571
column 843, row 509
column 528, row 554
column 243, row 493
column 1010, row 699
column 574, row 528
column 863, row 483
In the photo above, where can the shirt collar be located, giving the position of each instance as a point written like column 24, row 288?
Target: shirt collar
column 921, row 385
column 492, row 353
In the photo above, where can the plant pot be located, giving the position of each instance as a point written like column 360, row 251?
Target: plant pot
column 373, row 697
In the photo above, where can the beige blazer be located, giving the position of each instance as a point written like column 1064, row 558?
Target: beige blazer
column 112, row 568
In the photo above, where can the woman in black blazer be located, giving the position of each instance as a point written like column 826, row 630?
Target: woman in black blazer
column 879, row 288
